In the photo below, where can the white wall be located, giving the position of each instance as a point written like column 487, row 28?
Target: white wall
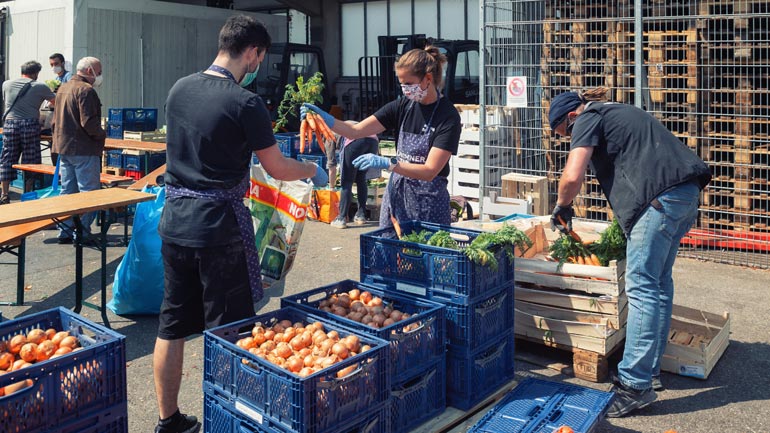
column 144, row 45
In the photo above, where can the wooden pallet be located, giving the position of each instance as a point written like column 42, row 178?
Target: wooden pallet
column 113, row 171
column 567, row 360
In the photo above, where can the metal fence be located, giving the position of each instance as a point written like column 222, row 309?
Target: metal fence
column 701, row 67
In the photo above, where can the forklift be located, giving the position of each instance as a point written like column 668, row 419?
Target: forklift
column 377, row 77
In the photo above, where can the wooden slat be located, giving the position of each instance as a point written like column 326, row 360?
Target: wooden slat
column 527, row 327
column 113, row 143
column 105, row 178
column 70, row 204
column 148, row 180
column 11, row 235
column 558, row 298
column 611, row 321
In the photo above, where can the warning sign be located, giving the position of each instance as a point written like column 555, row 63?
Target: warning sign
column 516, row 92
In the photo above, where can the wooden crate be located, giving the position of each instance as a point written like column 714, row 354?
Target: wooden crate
column 533, row 268
column 526, row 187
column 150, row 136
column 696, row 341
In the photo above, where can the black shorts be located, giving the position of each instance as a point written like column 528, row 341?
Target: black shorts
column 204, row 288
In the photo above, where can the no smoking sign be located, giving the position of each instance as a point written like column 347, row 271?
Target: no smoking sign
column 516, row 94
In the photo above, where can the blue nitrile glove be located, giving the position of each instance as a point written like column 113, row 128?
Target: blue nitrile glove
column 565, row 213
column 370, row 160
column 320, row 178
column 328, row 118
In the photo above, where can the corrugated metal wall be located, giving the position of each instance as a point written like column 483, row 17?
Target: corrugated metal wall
column 144, row 54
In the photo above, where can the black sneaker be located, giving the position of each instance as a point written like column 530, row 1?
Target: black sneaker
column 657, row 385
column 64, row 241
column 178, row 423
column 5, row 199
column 628, row 400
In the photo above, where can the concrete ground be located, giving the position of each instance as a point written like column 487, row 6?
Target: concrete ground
column 735, row 398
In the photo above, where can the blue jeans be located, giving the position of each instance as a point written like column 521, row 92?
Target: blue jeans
column 651, row 251
column 79, row 173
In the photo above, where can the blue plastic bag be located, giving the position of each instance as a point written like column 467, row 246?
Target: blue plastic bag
column 138, row 285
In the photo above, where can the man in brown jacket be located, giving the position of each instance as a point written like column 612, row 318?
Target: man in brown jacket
column 78, row 137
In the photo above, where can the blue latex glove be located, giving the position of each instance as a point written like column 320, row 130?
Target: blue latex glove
column 328, row 118
column 370, row 160
column 320, row 178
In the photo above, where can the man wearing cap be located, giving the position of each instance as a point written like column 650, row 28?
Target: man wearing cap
column 652, row 181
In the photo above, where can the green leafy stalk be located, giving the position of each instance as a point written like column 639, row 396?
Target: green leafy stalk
column 294, row 96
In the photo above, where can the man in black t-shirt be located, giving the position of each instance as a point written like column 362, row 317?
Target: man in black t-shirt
column 652, row 182
column 211, row 267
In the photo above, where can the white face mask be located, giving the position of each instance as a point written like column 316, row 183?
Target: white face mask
column 414, row 92
column 57, row 70
column 98, row 79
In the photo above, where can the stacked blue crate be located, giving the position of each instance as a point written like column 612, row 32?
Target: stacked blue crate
column 236, row 383
column 479, row 303
column 417, row 348
column 131, row 119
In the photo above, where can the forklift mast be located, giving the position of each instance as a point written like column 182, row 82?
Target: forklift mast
column 377, row 76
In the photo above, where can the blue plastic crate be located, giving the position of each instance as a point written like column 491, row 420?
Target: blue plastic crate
column 288, row 143
column 69, row 388
column 113, row 158
column 319, row 160
column 419, row 398
column 111, row 420
column 472, row 325
column 411, row 350
column 474, row 375
column 145, row 163
column 221, row 416
column 416, row 268
column 118, row 115
column 116, row 129
column 317, row 403
column 541, row 406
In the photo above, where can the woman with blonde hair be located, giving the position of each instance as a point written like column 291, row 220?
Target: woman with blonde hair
column 428, row 127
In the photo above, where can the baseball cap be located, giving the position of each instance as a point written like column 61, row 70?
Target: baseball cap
column 561, row 106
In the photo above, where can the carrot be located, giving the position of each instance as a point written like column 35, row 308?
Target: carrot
column 310, row 121
column 320, row 139
column 302, row 135
column 595, row 259
column 581, row 260
column 327, row 132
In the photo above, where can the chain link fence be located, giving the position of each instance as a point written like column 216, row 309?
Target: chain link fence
column 701, row 67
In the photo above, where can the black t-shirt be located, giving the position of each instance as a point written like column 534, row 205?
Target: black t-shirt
column 213, row 126
column 445, row 125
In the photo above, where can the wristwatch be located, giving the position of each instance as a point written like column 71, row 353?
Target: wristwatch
column 393, row 163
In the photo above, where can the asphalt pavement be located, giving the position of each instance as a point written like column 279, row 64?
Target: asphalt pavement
column 735, row 398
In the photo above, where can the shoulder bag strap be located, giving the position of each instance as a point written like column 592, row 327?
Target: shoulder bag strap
column 19, row 96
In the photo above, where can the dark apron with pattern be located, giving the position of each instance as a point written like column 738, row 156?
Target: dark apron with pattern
column 234, row 197
column 410, row 199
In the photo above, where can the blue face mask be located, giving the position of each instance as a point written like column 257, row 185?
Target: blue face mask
column 249, row 77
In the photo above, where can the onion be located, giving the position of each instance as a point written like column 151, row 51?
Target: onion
column 257, row 330
column 377, row 309
column 259, row 338
column 378, row 318
column 28, row 352
column 288, row 334
column 278, row 328
column 49, row 333
column 308, row 361
column 354, row 294
column 36, row 336
column 352, row 342
column 326, row 345
column 268, row 345
column 283, row 350
column 365, row 297
column 299, row 325
column 334, row 335
column 296, row 343
column 14, row 346
column 294, row 364
column 365, row 347
column 269, row 334
column 388, row 322
column 245, row 343
column 286, row 323
column 62, row 351
column 396, row 315
column 340, row 350
column 376, row 301
column 305, row 372
column 6, row 360
column 58, row 337
column 324, row 303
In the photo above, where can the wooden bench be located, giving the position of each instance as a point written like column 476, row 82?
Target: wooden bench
column 108, row 180
column 148, row 180
column 13, row 241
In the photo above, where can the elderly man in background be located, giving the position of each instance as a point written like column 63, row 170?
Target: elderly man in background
column 78, row 137
column 21, row 128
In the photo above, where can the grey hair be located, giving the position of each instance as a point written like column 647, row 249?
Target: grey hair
column 85, row 63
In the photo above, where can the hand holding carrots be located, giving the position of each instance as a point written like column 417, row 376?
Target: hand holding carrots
column 314, row 122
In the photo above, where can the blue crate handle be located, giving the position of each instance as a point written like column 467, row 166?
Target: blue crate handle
column 491, row 356
column 486, row 309
column 400, row 334
column 423, row 383
column 556, row 415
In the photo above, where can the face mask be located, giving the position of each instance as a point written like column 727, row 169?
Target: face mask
column 98, row 80
column 414, row 92
column 57, row 70
column 249, row 77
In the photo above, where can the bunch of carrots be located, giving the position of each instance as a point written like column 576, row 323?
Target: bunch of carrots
column 314, row 124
